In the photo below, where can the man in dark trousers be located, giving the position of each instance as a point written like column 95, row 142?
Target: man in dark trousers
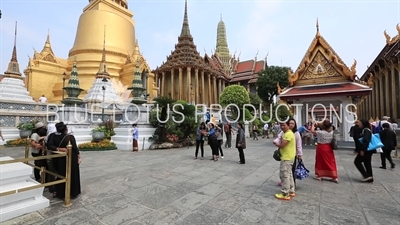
column 355, row 132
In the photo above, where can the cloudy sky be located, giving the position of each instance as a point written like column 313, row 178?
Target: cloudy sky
column 284, row 29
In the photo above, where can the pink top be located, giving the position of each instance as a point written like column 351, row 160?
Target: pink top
column 299, row 143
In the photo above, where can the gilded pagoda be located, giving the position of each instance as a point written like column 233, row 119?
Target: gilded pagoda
column 188, row 76
column 45, row 69
column 244, row 73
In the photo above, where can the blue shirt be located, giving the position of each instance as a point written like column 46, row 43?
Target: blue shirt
column 211, row 132
column 301, row 129
column 208, row 116
column 135, row 133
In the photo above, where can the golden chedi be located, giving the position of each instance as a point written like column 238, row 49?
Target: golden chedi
column 101, row 20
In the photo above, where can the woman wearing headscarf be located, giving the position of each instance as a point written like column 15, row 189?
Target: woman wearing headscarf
column 58, row 142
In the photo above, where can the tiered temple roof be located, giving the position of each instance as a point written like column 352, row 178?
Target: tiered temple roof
column 185, row 53
column 322, row 73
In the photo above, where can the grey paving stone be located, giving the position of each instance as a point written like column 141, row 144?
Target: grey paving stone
column 169, row 187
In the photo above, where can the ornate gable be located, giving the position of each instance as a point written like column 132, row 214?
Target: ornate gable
column 320, row 65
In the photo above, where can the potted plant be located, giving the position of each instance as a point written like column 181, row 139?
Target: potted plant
column 98, row 133
column 25, row 129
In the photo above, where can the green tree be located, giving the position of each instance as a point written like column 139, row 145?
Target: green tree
column 237, row 95
column 267, row 82
column 164, row 104
column 255, row 100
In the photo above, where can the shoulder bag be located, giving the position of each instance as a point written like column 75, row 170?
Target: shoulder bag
column 334, row 141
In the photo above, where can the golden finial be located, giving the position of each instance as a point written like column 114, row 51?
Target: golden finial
column 221, row 16
column 370, row 80
column 398, row 28
column 387, row 37
column 317, row 25
column 279, row 89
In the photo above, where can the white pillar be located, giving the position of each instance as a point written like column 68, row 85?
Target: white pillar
column 347, row 118
column 298, row 115
column 246, row 129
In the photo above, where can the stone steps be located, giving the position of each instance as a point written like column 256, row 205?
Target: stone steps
column 15, row 176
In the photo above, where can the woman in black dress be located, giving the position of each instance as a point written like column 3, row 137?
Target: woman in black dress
column 58, row 142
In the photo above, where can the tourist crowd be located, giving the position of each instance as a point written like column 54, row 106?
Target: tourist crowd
column 369, row 138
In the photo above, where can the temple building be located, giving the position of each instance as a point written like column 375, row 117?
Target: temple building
column 12, row 86
column 45, row 69
column 243, row 73
column 384, row 76
column 188, row 76
column 323, row 87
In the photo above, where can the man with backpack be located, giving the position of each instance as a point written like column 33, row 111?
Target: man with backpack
column 378, row 127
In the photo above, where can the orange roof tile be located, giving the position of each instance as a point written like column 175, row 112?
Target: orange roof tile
column 244, row 66
column 259, row 66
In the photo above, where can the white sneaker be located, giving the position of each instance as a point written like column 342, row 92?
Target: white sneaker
column 222, row 157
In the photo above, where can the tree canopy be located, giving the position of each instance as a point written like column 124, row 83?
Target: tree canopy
column 235, row 94
column 268, row 79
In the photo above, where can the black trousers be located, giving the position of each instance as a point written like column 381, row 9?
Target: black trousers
column 201, row 145
column 214, row 147
column 366, row 169
column 39, row 163
column 241, row 155
column 220, row 147
column 386, row 155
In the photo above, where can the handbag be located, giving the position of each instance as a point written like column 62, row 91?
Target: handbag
column 277, row 155
column 375, row 142
column 334, row 142
column 301, row 172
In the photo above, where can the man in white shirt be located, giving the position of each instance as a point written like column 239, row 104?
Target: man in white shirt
column 43, row 99
column 265, row 129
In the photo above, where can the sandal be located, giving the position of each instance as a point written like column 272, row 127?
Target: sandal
column 334, row 180
column 317, row 178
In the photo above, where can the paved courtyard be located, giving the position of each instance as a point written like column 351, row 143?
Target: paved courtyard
column 157, row 187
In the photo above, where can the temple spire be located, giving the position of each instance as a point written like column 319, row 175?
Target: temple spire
column 102, row 73
column 13, row 66
column 47, row 45
column 185, row 26
column 317, row 26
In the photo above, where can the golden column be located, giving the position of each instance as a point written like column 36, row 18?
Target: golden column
column 373, row 98
column 209, row 89
column 189, row 81
column 393, row 94
column 172, row 84
column 196, row 93
column 386, row 91
column 215, row 90
column 180, row 84
column 163, row 84
column 382, row 111
column 219, row 86
column 203, row 101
